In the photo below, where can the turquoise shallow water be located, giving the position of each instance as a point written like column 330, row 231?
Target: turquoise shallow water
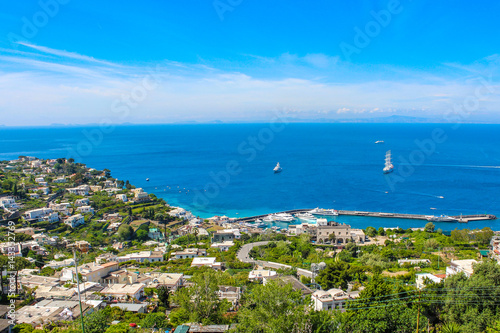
column 227, row 168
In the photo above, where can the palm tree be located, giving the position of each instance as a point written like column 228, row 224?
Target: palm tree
column 451, row 328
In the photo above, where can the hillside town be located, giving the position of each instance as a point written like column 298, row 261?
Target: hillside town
column 80, row 245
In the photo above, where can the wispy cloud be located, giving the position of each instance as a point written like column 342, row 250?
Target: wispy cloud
column 44, row 85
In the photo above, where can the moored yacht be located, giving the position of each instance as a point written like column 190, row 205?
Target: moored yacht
column 441, row 218
column 321, row 211
column 283, row 217
column 305, row 216
column 268, row 218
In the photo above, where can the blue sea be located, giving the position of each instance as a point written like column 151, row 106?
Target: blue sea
column 227, row 169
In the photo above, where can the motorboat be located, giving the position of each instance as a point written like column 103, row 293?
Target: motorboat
column 442, row 218
column 305, row 216
column 283, row 217
column 321, row 211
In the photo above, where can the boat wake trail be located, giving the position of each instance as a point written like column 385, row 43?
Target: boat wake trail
column 461, row 166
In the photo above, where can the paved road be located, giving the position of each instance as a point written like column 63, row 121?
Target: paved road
column 244, row 256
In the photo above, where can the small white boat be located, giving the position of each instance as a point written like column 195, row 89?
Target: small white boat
column 388, row 168
column 321, row 211
column 277, row 168
column 147, row 179
column 379, row 142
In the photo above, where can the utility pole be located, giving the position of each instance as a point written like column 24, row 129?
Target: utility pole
column 439, row 255
column 418, row 314
column 78, row 288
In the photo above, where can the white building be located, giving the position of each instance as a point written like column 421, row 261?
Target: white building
column 63, row 207
column 123, row 291
column 260, row 274
column 151, row 256
column 140, row 195
column 82, row 202
column 414, row 261
column 223, row 246
column 206, row 261
column 457, row 266
column 75, row 220
column 172, row 281
column 42, row 214
column 44, row 190
column 85, row 209
column 122, row 197
column 423, row 279
column 189, row 253
column 80, row 190
column 60, row 180
column 90, row 272
column 8, row 203
column 333, row 299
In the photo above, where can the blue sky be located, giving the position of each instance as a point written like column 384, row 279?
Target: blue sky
column 80, row 62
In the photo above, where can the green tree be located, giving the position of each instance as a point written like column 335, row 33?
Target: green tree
column 119, row 328
column 200, row 300
column 23, row 328
column 142, row 235
column 154, row 320
column 380, row 309
column 335, row 275
column 429, row 227
column 96, row 322
column 163, row 295
column 125, row 232
column 371, row 232
column 274, row 307
column 451, row 328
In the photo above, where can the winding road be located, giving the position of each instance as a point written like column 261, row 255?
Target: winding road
column 244, row 256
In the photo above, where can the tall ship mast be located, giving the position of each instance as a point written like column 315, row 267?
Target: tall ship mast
column 388, row 163
column 277, row 168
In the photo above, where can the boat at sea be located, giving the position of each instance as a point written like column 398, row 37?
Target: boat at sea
column 388, row 168
column 321, row 211
column 442, row 218
column 277, row 168
column 379, row 142
column 305, row 216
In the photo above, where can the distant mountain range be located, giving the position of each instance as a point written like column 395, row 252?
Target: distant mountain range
column 393, row 119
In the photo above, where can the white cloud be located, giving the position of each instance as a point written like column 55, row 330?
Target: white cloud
column 73, row 88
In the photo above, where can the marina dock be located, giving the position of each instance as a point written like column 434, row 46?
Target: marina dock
column 459, row 218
